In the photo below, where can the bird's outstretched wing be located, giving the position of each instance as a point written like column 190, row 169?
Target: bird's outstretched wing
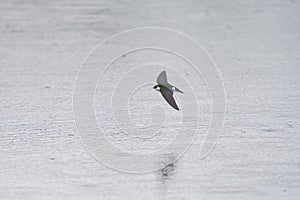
column 168, row 96
column 162, row 78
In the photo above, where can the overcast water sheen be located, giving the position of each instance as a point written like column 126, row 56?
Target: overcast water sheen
column 255, row 45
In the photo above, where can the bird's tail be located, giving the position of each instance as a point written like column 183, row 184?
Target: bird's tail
column 177, row 90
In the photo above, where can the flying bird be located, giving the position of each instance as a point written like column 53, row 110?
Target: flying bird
column 166, row 89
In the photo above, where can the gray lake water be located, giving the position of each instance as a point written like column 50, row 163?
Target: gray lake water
column 255, row 45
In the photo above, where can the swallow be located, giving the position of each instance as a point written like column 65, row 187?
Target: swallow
column 166, row 89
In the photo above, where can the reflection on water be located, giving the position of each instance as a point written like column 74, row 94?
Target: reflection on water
column 165, row 175
column 168, row 170
column 169, row 166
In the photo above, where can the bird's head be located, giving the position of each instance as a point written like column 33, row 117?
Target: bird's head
column 157, row 88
